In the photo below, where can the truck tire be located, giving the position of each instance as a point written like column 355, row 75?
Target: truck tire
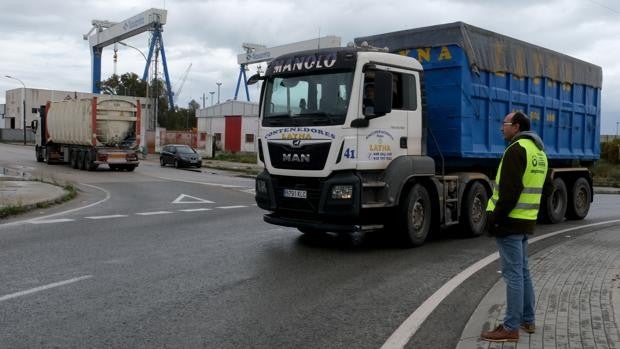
column 73, row 158
column 90, row 161
column 579, row 200
column 417, row 216
column 553, row 207
column 39, row 153
column 81, row 160
column 473, row 211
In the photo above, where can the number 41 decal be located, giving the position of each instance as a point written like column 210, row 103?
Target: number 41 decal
column 349, row 153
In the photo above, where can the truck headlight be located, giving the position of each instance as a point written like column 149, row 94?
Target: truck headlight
column 261, row 186
column 342, row 192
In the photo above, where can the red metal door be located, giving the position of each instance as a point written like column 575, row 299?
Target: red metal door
column 232, row 133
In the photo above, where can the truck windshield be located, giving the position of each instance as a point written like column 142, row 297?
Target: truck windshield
column 305, row 100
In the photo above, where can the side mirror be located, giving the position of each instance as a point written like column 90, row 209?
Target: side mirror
column 255, row 78
column 383, row 93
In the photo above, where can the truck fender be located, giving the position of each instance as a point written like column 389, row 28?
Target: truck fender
column 402, row 170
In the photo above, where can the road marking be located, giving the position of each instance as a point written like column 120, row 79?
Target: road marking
column 410, row 326
column 204, row 183
column 46, row 221
column 108, row 216
column 196, row 209
column 152, row 213
column 193, row 200
column 107, row 197
column 229, row 207
column 43, row 288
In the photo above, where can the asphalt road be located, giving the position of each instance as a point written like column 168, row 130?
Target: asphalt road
column 174, row 258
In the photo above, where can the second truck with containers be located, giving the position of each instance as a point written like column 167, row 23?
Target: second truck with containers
column 89, row 132
column 359, row 138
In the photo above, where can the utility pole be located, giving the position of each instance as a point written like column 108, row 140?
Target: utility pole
column 218, row 91
column 212, row 93
column 23, row 103
column 617, row 123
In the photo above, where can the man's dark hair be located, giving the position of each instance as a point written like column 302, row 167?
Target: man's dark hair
column 522, row 120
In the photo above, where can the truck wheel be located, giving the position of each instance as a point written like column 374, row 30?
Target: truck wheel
column 39, row 153
column 73, row 157
column 417, row 215
column 81, row 160
column 579, row 200
column 553, row 207
column 90, row 162
column 473, row 211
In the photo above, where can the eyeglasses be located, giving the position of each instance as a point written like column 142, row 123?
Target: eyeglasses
column 508, row 123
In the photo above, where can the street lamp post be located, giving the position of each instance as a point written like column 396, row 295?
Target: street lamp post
column 218, row 91
column 23, row 104
column 212, row 93
column 143, row 124
column 617, row 123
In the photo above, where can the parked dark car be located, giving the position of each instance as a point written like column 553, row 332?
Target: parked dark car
column 179, row 155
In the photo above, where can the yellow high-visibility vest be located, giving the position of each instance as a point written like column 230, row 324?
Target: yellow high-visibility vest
column 533, row 180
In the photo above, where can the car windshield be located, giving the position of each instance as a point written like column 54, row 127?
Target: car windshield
column 185, row 150
column 318, row 99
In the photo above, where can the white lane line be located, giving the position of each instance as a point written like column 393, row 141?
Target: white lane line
column 196, row 209
column 229, row 207
column 49, row 221
column 108, row 216
column 152, row 213
column 204, row 183
column 43, row 288
column 407, row 329
column 107, row 197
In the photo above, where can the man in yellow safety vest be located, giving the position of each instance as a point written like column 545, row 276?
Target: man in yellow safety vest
column 511, row 217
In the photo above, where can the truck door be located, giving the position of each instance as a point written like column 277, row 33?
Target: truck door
column 385, row 138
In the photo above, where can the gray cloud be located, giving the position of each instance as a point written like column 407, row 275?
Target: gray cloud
column 42, row 41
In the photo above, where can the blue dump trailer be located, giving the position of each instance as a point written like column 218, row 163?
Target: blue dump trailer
column 407, row 138
column 474, row 77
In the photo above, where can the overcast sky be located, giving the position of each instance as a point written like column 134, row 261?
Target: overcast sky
column 41, row 41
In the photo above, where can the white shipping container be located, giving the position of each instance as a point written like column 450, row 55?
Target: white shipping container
column 71, row 122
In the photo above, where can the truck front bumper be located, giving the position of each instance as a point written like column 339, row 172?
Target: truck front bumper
column 310, row 203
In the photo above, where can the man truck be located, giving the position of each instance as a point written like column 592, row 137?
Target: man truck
column 418, row 154
column 89, row 132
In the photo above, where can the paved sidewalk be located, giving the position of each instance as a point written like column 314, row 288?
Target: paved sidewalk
column 577, row 286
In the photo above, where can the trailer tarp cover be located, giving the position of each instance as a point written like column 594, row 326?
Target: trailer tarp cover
column 493, row 52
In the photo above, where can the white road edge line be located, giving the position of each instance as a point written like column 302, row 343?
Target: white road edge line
column 107, row 197
column 152, row 213
column 205, row 183
column 43, row 288
column 49, row 221
column 108, row 216
column 196, row 209
column 407, row 329
column 229, row 207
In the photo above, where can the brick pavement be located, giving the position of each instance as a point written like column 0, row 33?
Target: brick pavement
column 577, row 285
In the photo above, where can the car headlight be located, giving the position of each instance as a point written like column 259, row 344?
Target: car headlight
column 261, row 186
column 342, row 192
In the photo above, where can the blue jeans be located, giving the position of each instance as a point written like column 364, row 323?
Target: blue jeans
column 519, row 288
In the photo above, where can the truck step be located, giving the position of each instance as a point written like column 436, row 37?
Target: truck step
column 374, row 184
column 374, row 205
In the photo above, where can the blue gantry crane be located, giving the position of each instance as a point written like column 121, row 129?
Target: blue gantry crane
column 105, row 33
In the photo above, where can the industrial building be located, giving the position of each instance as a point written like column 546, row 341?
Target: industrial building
column 231, row 126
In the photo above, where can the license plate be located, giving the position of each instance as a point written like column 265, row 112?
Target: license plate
column 297, row 194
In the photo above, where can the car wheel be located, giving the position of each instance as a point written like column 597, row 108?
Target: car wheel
column 162, row 163
column 176, row 163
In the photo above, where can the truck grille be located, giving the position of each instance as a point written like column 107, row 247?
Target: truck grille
column 305, row 157
column 312, row 187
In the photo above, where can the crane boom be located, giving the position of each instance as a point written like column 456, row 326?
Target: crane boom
column 182, row 82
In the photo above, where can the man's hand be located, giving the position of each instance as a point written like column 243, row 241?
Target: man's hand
column 491, row 226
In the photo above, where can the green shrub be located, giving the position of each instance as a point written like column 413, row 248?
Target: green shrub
column 610, row 151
